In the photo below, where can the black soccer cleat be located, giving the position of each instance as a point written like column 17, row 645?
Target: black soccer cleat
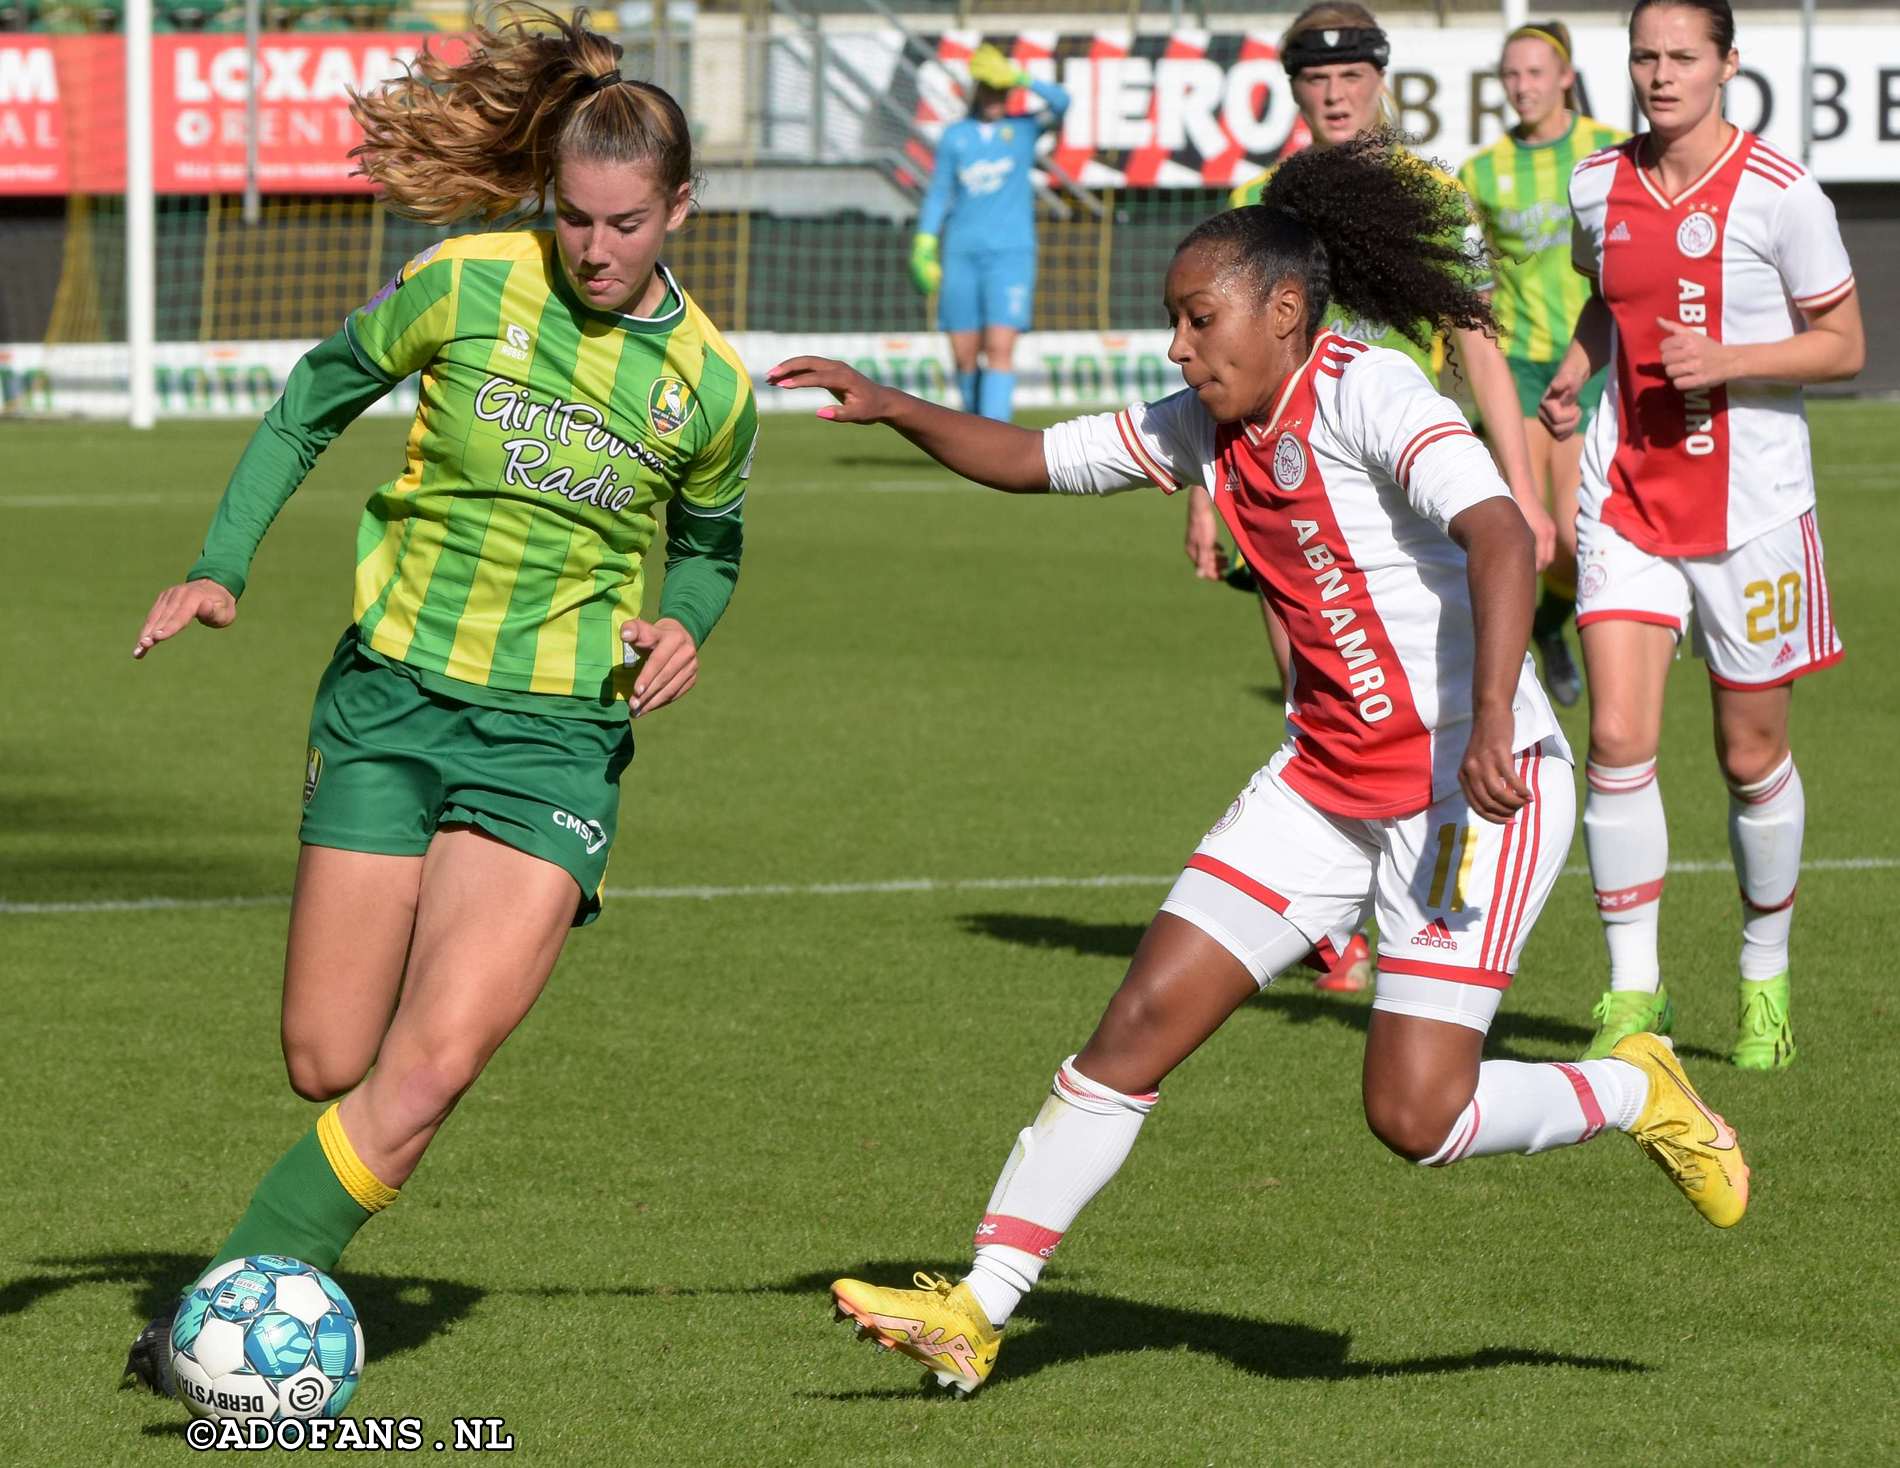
column 149, row 1361
column 1560, row 672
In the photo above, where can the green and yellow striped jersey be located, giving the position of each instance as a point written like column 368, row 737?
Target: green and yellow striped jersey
column 1522, row 192
column 508, row 552
column 1374, row 333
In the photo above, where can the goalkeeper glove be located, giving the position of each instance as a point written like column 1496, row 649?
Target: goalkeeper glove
column 989, row 67
column 925, row 273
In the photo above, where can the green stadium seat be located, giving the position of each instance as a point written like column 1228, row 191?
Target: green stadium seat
column 370, row 15
column 83, row 17
column 184, row 15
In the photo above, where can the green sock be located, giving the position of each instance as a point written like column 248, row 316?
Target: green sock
column 1552, row 612
column 301, row 1208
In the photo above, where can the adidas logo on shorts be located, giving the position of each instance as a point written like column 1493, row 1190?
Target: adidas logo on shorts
column 1434, row 935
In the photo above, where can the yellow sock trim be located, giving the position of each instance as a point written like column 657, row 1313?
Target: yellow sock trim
column 372, row 1194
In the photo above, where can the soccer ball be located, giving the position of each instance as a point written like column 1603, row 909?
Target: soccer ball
column 265, row 1338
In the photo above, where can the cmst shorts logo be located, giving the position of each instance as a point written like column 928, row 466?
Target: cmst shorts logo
column 1695, row 236
column 590, row 832
column 312, row 772
column 670, row 406
column 1289, row 462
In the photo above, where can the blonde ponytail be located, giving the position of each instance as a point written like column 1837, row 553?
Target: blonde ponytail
column 481, row 137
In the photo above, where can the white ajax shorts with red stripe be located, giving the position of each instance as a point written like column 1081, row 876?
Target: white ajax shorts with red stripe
column 1455, row 895
column 1762, row 614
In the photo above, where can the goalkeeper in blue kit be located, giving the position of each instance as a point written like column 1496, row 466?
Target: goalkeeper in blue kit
column 975, row 247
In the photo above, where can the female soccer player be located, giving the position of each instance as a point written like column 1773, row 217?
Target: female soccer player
column 1520, row 187
column 1698, row 495
column 1425, row 776
column 469, row 735
column 1335, row 56
column 985, row 281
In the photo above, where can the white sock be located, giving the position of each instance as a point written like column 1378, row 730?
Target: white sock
column 1520, row 1107
column 1076, row 1144
column 1628, row 842
column 1765, row 825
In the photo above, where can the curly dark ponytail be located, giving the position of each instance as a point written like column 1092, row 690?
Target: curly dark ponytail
column 1367, row 226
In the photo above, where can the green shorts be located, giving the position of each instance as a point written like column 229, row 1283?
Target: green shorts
column 390, row 763
column 1532, row 378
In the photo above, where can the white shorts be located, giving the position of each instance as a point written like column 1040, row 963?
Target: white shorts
column 1455, row 895
column 1762, row 614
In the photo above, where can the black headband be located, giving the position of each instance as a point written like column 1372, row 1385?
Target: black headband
column 1334, row 46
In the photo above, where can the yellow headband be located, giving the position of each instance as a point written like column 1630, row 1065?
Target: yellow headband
column 1538, row 33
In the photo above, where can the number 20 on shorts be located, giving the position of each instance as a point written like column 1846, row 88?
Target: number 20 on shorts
column 1771, row 603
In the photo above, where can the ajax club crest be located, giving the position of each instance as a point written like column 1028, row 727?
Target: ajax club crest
column 1289, row 462
column 1695, row 236
column 670, row 406
column 1232, row 815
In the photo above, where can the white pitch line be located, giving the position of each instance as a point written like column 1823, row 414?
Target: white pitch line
column 900, row 885
column 84, row 501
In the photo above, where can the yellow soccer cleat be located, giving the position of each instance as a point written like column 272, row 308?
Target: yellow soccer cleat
column 938, row 1324
column 1683, row 1137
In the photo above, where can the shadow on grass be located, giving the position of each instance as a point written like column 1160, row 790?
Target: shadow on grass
column 1026, row 930
column 92, row 859
column 399, row 1312
column 1310, row 1006
column 1290, row 997
column 1073, row 1325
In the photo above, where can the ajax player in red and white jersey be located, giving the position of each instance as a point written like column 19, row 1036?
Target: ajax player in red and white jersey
column 1423, row 778
column 1721, row 286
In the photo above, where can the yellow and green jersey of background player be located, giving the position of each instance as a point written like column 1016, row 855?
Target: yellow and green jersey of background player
column 1431, row 357
column 1522, row 194
column 498, row 566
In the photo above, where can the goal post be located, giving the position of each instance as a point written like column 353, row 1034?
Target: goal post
column 141, row 223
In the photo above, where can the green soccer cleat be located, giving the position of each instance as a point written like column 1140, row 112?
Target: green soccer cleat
column 1766, row 1039
column 938, row 1325
column 1623, row 1012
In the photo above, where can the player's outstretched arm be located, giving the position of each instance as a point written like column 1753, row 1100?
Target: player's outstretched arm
column 1499, row 567
column 1000, row 455
column 179, row 606
column 323, row 395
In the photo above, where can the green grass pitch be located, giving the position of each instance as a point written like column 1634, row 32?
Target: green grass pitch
column 961, row 710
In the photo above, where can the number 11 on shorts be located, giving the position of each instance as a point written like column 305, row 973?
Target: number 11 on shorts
column 1455, row 843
